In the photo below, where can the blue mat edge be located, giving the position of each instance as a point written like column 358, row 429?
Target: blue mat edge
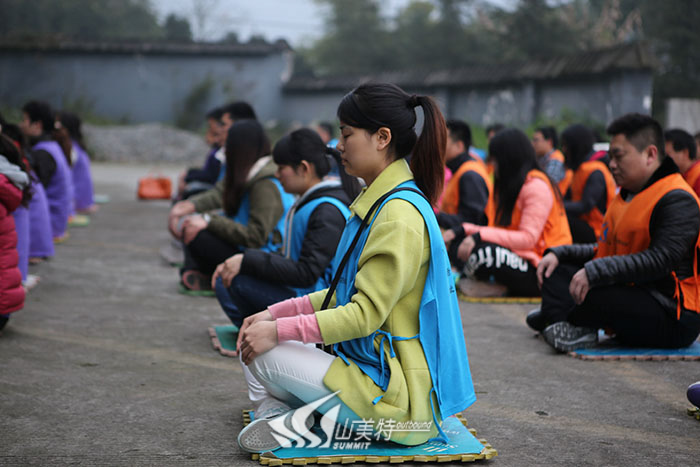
column 692, row 350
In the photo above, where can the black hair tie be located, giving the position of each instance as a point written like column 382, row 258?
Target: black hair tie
column 413, row 101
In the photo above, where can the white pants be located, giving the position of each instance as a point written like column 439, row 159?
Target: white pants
column 292, row 373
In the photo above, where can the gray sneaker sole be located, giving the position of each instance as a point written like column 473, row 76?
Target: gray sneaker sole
column 257, row 435
column 556, row 336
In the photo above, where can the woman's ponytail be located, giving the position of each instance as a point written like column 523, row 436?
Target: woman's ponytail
column 351, row 186
column 428, row 160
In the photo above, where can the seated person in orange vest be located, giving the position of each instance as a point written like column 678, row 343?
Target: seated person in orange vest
column 680, row 146
column 592, row 186
column 525, row 218
column 640, row 280
column 467, row 192
column 551, row 160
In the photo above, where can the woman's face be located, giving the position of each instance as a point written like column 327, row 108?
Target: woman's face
column 292, row 179
column 363, row 155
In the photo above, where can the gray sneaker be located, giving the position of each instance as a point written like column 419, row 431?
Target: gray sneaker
column 565, row 337
column 258, row 437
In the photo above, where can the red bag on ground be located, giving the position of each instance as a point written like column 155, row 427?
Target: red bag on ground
column 155, row 187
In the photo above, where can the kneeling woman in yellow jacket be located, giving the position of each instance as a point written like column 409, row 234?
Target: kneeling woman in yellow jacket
column 527, row 217
column 391, row 314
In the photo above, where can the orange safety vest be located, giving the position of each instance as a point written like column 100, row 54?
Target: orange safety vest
column 692, row 174
column 556, row 230
column 626, row 231
column 450, row 197
column 594, row 217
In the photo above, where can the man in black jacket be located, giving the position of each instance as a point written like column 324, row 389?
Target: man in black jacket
column 639, row 281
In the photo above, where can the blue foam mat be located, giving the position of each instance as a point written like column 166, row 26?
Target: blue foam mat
column 612, row 349
column 461, row 442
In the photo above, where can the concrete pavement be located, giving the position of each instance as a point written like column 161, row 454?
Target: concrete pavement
column 108, row 365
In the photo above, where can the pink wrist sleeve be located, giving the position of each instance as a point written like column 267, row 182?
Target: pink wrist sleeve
column 291, row 307
column 303, row 328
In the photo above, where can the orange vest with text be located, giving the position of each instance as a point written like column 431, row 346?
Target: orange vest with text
column 692, row 174
column 556, row 230
column 594, row 217
column 450, row 197
column 626, row 231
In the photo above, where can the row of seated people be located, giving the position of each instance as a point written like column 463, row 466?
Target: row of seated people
column 46, row 184
column 626, row 232
column 499, row 222
column 274, row 227
column 499, row 219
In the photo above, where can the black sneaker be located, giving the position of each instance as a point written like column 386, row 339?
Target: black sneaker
column 535, row 319
column 565, row 337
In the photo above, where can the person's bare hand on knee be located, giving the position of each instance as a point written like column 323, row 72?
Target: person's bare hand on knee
column 257, row 339
column 546, row 267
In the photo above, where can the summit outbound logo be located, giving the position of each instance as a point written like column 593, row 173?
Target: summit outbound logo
column 304, row 436
column 296, row 428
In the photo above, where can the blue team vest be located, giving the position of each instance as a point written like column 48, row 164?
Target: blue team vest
column 295, row 238
column 243, row 214
column 440, row 332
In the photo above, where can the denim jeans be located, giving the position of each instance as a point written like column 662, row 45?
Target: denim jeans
column 247, row 295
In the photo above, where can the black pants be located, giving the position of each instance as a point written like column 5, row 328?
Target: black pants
column 489, row 260
column 632, row 313
column 581, row 232
column 206, row 252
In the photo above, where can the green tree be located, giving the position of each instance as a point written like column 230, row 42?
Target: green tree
column 78, row 19
column 534, row 30
column 672, row 28
column 356, row 39
column 414, row 37
column 177, row 29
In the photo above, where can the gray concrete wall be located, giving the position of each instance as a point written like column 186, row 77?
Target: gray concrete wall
column 154, row 87
column 486, row 105
column 684, row 114
column 142, row 88
column 601, row 98
column 304, row 108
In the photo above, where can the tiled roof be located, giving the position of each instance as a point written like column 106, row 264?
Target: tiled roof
column 145, row 47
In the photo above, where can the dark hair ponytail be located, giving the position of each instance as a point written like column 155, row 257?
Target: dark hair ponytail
column 246, row 142
column 428, row 161
column 577, row 144
column 515, row 158
column 371, row 106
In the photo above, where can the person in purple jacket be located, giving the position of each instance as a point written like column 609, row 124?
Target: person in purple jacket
column 83, row 192
column 49, row 164
column 34, row 240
